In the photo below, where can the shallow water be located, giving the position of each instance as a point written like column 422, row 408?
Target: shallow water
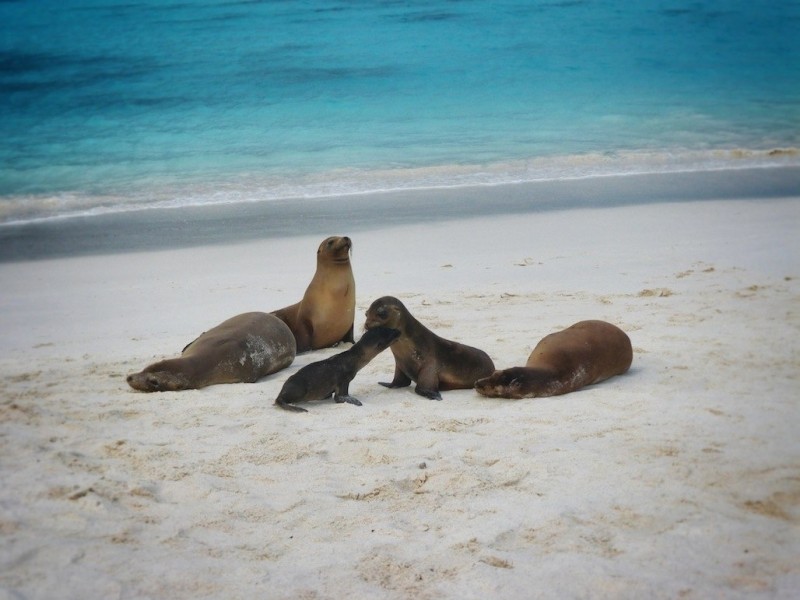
column 111, row 105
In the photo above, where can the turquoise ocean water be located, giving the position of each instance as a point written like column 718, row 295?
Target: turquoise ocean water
column 112, row 105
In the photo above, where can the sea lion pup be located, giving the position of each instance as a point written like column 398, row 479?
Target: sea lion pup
column 434, row 363
column 325, row 315
column 585, row 353
column 242, row 349
column 333, row 375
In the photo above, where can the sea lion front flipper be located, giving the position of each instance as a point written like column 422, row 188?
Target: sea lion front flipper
column 348, row 399
column 348, row 337
column 428, row 382
column 343, row 395
column 400, row 379
column 430, row 394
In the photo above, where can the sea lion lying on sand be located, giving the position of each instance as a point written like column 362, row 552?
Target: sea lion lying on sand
column 587, row 352
column 244, row 348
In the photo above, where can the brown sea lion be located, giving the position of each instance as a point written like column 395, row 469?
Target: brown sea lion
column 332, row 376
column 434, row 363
column 585, row 353
column 242, row 349
column 325, row 315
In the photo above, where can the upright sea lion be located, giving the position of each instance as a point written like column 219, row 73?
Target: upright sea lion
column 326, row 313
column 434, row 363
column 242, row 349
column 587, row 352
column 333, row 375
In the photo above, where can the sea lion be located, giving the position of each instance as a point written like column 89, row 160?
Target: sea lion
column 325, row 315
column 242, row 349
column 434, row 363
column 585, row 353
column 333, row 375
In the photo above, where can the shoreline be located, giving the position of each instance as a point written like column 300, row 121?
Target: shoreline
column 202, row 189
column 185, row 227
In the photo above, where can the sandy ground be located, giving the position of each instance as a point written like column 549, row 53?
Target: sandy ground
column 680, row 479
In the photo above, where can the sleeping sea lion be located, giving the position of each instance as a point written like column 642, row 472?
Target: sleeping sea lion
column 420, row 355
column 332, row 376
column 242, row 349
column 325, row 315
column 587, row 352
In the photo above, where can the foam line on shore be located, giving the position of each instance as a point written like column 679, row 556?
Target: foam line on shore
column 203, row 225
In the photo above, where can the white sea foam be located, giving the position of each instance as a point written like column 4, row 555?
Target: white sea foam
column 256, row 187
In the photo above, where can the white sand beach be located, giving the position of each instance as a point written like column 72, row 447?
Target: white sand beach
column 679, row 479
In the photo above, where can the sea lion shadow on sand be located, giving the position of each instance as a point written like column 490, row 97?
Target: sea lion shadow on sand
column 420, row 355
column 583, row 354
column 332, row 376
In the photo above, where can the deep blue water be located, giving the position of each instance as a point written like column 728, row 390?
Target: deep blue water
column 110, row 104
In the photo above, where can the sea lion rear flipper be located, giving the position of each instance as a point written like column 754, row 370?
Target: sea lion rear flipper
column 286, row 406
column 192, row 342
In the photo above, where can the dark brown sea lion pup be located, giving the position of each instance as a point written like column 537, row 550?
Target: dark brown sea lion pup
column 434, row 363
column 242, row 349
column 325, row 315
column 333, row 375
column 587, row 352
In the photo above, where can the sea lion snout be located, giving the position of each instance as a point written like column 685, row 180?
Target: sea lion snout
column 371, row 324
column 336, row 248
column 499, row 384
column 382, row 337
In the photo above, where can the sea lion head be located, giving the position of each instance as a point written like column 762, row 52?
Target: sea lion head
column 387, row 312
column 508, row 383
column 158, row 381
column 335, row 249
column 380, row 337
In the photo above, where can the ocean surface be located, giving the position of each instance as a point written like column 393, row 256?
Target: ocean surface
column 110, row 106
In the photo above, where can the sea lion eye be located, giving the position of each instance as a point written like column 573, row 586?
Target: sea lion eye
column 382, row 312
column 514, row 383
